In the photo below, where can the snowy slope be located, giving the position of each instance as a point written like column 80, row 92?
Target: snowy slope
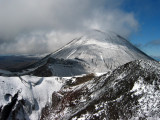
column 94, row 52
column 101, row 51
column 34, row 94
column 129, row 92
column 129, row 89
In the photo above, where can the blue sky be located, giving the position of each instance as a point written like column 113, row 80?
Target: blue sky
column 147, row 13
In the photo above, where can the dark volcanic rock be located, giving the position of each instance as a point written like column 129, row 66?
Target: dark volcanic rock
column 42, row 71
column 7, row 109
column 129, row 92
column 59, row 67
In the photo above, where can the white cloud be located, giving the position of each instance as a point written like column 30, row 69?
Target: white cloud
column 39, row 26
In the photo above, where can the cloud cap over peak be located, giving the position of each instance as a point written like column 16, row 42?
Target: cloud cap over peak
column 27, row 25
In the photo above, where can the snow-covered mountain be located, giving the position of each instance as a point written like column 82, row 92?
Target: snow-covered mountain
column 116, row 81
column 102, row 51
column 95, row 51
column 130, row 92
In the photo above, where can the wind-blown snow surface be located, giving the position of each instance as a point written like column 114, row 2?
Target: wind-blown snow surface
column 129, row 92
column 101, row 51
column 35, row 92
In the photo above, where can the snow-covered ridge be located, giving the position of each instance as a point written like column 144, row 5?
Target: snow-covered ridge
column 95, row 51
column 128, row 89
column 123, row 93
column 129, row 92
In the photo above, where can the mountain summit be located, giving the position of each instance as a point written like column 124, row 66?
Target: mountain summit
column 129, row 88
column 95, row 51
column 102, row 51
